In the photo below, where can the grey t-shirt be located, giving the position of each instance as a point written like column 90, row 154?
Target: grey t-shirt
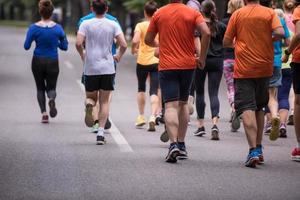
column 100, row 35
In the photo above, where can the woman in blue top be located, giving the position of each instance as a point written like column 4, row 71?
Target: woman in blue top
column 48, row 36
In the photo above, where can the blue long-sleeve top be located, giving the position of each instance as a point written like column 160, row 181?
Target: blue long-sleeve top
column 47, row 40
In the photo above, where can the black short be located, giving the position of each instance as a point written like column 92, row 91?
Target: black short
column 251, row 94
column 142, row 73
column 296, row 77
column 99, row 82
column 175, row 84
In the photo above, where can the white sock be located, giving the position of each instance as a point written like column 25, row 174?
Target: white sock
column 100, row 132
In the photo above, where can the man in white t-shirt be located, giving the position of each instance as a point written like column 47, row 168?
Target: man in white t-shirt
column 98, row 34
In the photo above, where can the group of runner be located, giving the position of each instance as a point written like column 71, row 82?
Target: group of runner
column 177, row 46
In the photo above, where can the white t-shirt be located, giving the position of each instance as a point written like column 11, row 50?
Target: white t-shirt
column 99, row 34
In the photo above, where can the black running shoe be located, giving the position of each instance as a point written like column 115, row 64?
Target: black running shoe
column 182, row 151
column 172, row 154
column 100, row 140
column 107, row 124
column 215, row 133
column 200, row 132
column 53, row 110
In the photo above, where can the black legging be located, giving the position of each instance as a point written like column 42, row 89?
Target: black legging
column 214, row 70
column 45, row 72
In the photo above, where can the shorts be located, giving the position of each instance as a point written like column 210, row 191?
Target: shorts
column 142, row 73
column 276, row 79
column 99, row 82
column 296, row 77
column 175, row 84
column 251, row 94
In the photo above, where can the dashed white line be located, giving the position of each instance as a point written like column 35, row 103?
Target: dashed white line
column 114, row 131
column 68, row 64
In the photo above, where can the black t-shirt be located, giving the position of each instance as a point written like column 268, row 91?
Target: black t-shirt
column 228, row 52
column 216, row 49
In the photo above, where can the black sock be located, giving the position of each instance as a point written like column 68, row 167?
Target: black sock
column 258, row 146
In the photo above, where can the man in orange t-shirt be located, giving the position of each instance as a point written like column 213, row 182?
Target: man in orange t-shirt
column 176, row 23
column 253, row 28
column 295, row 49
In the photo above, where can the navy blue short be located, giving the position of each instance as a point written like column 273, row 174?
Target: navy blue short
column 175, row 84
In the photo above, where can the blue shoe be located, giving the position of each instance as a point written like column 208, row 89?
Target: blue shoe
column 260, row 153
column 252, row 159
column 173, row 153
column 182, row 151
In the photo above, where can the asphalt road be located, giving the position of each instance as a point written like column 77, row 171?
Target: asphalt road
column 61, row 161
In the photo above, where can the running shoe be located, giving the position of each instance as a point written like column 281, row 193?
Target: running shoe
column 151, row 125
column 159, row 119
column 252, row 159
column 236, row 122
column 173, row 153
column 182, row 151
column 291, row 120
column 95, row 128
column 107, row 124
column 296, row 154
column 164, row 136
column 45, row 119
column 274, row 134
column 282, row 131
column 140, row 121
column 260, row 153
column 267, row 129
column 53, row 110
column 215, row 133
column 100, row 140
column 89, row 121
column 200, row 132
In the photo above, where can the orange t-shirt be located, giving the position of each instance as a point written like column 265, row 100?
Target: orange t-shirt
column 296, row 52
column 252, row 27
column 176, row 24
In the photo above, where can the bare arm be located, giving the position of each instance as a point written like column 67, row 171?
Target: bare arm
column 198, row 46
column 79, row 45
column 122, row 47
column 278, row 34
column 205, row 40
column 294, row 43
column 135, row 42
column 150, row 39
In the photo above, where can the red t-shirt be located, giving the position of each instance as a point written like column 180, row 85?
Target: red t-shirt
column 176, row 24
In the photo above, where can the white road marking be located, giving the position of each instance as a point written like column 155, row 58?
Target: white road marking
column 114, row 131
column 68, row 64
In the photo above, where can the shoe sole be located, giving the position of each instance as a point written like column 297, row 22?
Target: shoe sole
column 236, row 123
column 274, row 134
column 53, row 110
column 45, row 122
column 182, row 156
column 200, row 134
column 107, row 125
column 172, row 157
column 100, row 142
column 151, row 127
column 164, row 137
column 215, row 135
column 295, row 158
column 252, row 162
column 89, row 121
column 261, row 161
column 140, row 125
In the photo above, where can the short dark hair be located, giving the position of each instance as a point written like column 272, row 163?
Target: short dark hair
column 150, row 8
column 46, row 8
column 266, row 3
column 99, row 6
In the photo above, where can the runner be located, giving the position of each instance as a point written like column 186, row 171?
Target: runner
column 254, row 66
column 175, row 23
column 114, row 47
column 229, row 57
column 272, row 125
column 295, row 49
column 99, row 69
column 48, row 36
column 213, row 69
column 147, row 65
